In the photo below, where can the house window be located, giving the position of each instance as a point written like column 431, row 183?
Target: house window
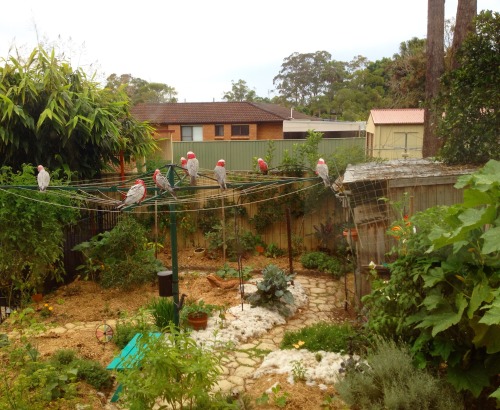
column 191, row 133
column 219, row 130
column 240, row 130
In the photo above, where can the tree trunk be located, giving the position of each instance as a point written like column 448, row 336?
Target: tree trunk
column 434, row 70
column 466, row 12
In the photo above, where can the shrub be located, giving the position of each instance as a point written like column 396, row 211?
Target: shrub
column 272, row 291
column 274, row 251
column 64, row 356
column 327, row 337
column 120, row 257
column 322, row 262
column 179, row 377
column 93, row 373
column 163, row 311
column 390, row 381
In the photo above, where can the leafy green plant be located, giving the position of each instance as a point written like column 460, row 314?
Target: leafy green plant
column 442, row 297
column 322, row 262
column 194, row 307
column 93, row 373
column 227, row 271
column 120, row 257
column 298, row 371
column 328, row 337
column 390, row 381
column 279, row 397
column 31, row 247
column 163, row 311
column 272, row 291
column 178, row 376
column 274, row 251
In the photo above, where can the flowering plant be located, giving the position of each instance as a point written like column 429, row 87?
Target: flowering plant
column 47, row 310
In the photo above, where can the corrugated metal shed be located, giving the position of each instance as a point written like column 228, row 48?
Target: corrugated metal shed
column 398, row 116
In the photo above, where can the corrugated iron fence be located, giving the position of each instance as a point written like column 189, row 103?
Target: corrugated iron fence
column 239, row 154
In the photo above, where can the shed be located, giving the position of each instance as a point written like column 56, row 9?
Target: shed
column 395, row 133
column 372, row 189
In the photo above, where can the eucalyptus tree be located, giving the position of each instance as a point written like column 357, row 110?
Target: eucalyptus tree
column 55, row 115
column 433, row 72
column 140, row 91
column 304, row 78
column 240, row 92
column 407, row 75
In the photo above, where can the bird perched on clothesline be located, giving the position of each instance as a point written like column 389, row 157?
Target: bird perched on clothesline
column 161, row 182
column 192, row 166
column 135, row 194
column 184, row 164
column 322, row 171
column 262, row 166
column 220, row 173
column 43, row 178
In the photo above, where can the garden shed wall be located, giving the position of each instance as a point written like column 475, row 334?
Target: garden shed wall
column 376, row 190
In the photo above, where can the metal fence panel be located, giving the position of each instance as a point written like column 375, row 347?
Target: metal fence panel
column 239, row 154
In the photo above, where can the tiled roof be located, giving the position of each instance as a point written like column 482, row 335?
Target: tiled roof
column 398, row 116
column 213, row 113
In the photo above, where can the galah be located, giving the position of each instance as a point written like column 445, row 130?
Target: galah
column 322, row 171
column 262, row 166
column 220, row 173
column 184, row 164
column 192, row 166
column 43, row 178
column 135, row 194
column 161, row 182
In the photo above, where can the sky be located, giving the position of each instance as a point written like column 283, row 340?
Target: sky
column 201, row 47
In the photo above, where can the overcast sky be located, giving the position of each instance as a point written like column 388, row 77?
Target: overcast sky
column 199, row 47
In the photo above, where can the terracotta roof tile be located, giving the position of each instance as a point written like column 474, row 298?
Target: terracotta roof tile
column 215, row 112
column 398, row 116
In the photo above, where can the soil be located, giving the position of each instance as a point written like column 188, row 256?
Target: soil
column 84, row 301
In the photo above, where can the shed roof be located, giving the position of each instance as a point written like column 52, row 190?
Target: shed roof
column 214, row 113
column 398, row 116
column 407, row 168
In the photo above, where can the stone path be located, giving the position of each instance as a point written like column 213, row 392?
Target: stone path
column 325, row 296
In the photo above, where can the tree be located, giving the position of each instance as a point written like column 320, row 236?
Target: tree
column 407, row 75
column 304, row 78
column 140, row 91
column 239, row 92
column 466, row 12
column 470, row 98
column 56, row 116
column 434, row 70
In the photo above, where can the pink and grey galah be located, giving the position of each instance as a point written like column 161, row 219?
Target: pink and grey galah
column 184, row 164
column 322, row 171
column 135, row 194
column 262, row 166
column 192, row 166
column 220, row 173
column 161, row 182
column 43, row 178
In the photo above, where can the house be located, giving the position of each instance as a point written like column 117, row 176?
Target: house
column 234, row 121
column 395, row 133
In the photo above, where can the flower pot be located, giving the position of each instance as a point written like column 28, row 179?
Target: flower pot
column 199, row 252
column 198, row 320
column 37, row 297
column 350, row 233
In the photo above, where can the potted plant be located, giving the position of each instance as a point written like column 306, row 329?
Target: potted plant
column 196, row 314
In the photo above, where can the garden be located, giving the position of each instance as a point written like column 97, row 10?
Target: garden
column 424, row 338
